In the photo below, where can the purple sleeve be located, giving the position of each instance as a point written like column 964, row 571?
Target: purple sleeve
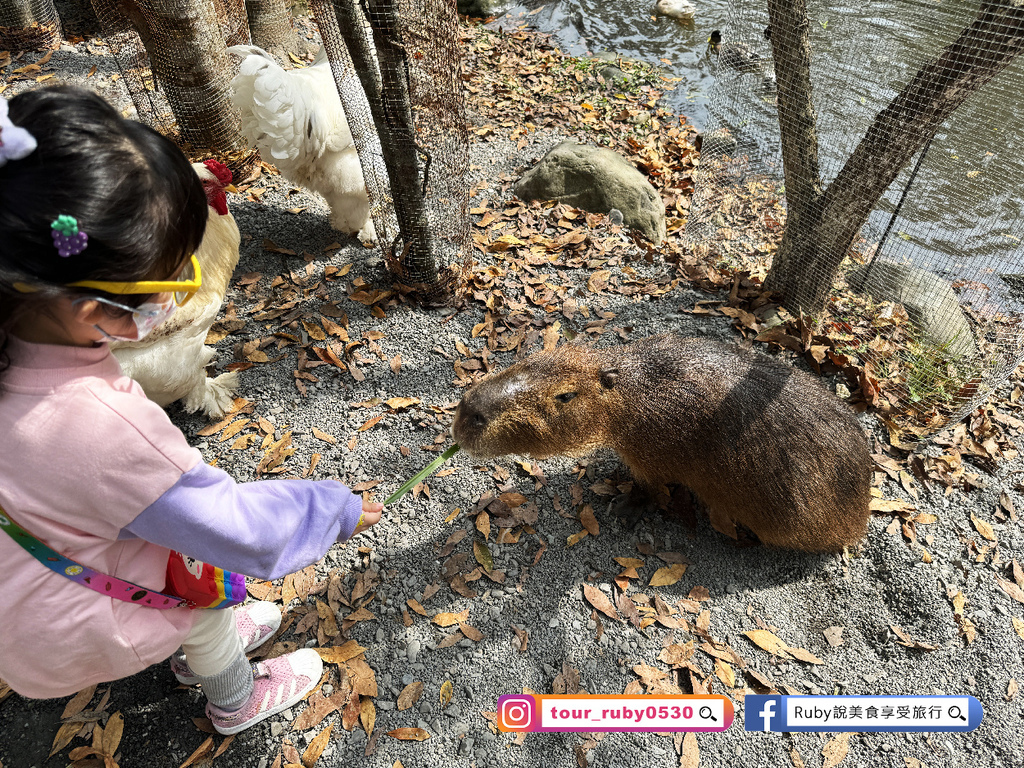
column 265, row 529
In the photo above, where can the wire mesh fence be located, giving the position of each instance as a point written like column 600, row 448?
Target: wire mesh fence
column 397, row 67
column 895, row 220
column 29, row 25
column 172, row 58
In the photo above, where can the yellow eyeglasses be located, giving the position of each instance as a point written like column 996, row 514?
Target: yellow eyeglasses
column 184, row 288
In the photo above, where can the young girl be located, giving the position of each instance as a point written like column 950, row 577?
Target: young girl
column 99, row 217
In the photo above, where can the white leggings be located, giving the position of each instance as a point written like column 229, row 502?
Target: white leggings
column 214, row 643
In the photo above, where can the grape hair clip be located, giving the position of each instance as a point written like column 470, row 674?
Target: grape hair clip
column 68, row 240
column 15, row 143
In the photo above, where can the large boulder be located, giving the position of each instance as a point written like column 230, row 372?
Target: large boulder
column 929, row 300
column 596, row 180
column 483, row 8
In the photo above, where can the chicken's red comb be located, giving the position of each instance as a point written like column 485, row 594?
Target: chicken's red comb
column 218, row 169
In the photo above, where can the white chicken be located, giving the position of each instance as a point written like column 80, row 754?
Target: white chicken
column 170, row 363
column 295, row 118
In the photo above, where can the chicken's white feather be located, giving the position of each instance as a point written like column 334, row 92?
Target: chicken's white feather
column 296, row 120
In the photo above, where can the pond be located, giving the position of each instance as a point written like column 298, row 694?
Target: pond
column 964, row 207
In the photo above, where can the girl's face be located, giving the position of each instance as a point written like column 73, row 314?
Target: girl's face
column 87, row 321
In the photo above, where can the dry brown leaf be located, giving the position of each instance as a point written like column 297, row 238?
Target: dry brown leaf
column 341, row 653
column 483, row 524
column 767, row 641
column 983, row 528
column 690, row 754
column 835, row 750
column 350, row 712
column 483, row 555
column 667, row 576
column 725, row 673
column 324, row 436
column 576, row 538
column 1011, row 589
column 675, row 654
column 65, row 734
column 400, row 403
column 369, row 423
column 445, row 695
column 1018, row 626
column 367, row 715
column 450, row 619
column 201, row 752
column 803, row 655
column 410, row 695
column 600, row 601
column 362, row 677
column 471, row 632
column 409, row 734
column 699, row 594
column 414, row 604
column 320, row 706
column 112, row 733
column 316, row 747
column 589, row 521
column 78, row 702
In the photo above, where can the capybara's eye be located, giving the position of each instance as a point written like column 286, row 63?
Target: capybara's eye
column 565, row 397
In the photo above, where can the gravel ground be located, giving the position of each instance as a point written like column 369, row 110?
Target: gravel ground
column 885, row 582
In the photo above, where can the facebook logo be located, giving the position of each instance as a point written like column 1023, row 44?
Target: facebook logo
column 762, row 713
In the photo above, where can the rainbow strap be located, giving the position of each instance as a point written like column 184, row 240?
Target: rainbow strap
column 203, row 585
column 80, row 574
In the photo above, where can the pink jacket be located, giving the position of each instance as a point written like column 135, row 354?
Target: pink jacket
column 82, row 453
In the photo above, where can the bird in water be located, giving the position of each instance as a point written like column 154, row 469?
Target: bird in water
column 738, row 56
column 676, row 9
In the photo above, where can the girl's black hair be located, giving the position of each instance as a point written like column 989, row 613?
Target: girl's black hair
column 132, row 191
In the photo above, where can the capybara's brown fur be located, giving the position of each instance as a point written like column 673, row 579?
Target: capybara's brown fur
column 759, row 442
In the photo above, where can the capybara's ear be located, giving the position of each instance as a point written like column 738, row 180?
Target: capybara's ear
column 609, row 377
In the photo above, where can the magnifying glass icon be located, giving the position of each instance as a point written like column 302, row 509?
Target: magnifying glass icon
column 955, row 712
column 705, row 714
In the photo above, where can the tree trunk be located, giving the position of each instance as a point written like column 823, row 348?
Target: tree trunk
column 822, row 226
column 28, row 25
column 186, row 53
column 390, row 106
column 272, row 28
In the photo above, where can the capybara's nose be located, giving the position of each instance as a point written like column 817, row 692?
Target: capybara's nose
column 471, row 413
column 475, row 412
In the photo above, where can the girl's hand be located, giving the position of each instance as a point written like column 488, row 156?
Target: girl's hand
column 370, row 517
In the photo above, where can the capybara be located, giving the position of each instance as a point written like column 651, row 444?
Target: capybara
column 761, row 443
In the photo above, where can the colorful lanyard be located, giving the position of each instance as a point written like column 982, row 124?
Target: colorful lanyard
column 80, row 574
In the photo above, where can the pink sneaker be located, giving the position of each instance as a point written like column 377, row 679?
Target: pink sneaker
column 278, row 683
column 256, row 623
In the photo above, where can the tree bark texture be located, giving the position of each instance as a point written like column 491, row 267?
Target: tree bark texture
column 186, row 46
column 382, row 73
column 271, row 26
column 810, row 256
column 791, row 52
column 29, row 25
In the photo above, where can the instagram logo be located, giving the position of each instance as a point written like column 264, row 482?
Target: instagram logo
column 515, row 713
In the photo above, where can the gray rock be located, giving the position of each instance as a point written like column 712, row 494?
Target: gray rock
column 929, row 300
column 596, row 180
column 413, row 650
column 482, row 8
